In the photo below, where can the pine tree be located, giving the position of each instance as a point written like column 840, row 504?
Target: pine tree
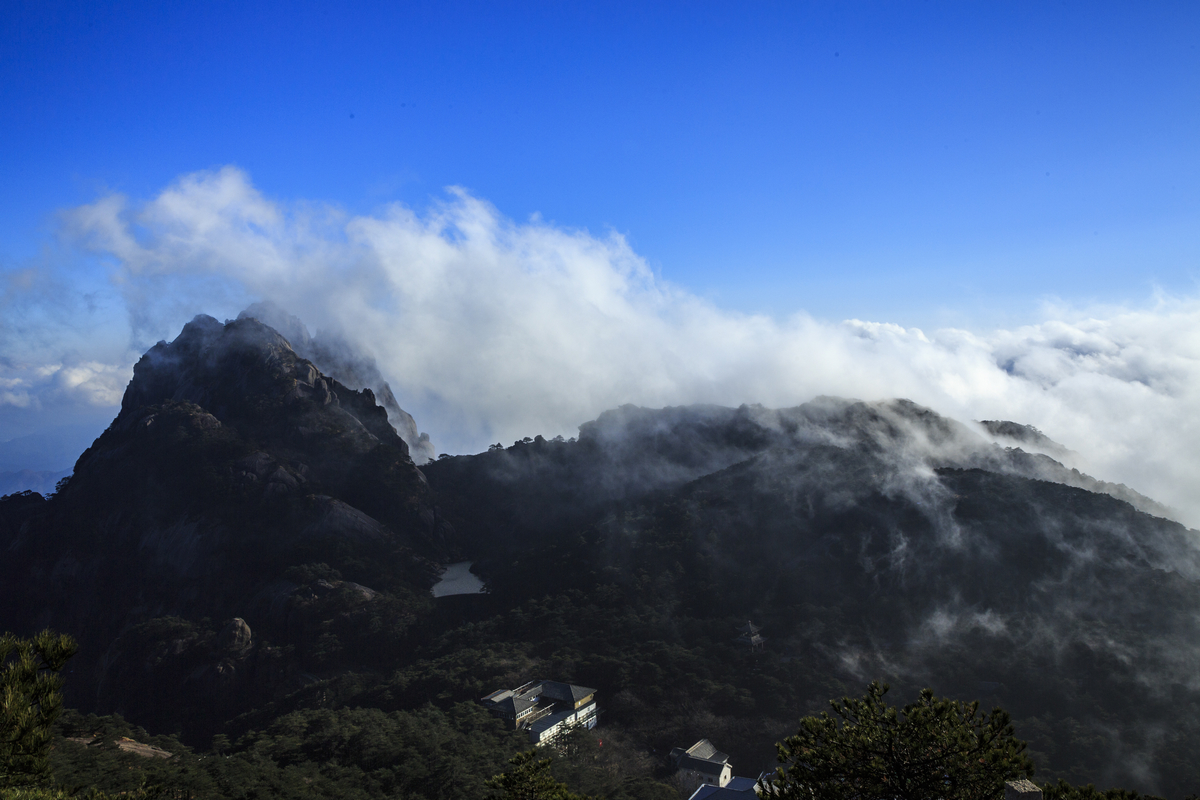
column 530, row 779
column 933, row 749
column 30, row 701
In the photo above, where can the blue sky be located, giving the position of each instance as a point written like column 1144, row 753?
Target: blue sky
column 923, row 162
column 991, row 208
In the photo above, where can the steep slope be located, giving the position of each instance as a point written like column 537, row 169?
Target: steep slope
column 331, row 354
column 870, row 540
column 237, row 483
column 249, row 547
column 630, row 452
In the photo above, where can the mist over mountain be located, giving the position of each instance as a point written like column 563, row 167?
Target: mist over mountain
column 250, row 541
column 491, row 328
column 876, row 539
column 338, row 358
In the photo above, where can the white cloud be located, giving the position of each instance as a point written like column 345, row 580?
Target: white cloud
column 86, row 383
column 492, row 330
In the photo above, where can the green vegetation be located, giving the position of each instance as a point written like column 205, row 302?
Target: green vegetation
column 353, row 753
column 30, row 702
column 529, row 778
column 933, row 749
column 316, row 753
column 247, row 564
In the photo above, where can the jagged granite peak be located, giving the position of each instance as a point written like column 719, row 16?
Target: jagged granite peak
column 316, row 436
column 233, row 462
column 244, row 369
column 334, row 356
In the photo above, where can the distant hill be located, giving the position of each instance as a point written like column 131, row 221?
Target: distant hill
column 51, row 450
column 23, row 480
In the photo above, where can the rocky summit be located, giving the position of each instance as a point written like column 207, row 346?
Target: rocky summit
column 247, row 553
column 232, row 464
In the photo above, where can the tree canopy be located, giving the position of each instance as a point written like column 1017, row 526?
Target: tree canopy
column 867, row 749
column 30, row 701
column 530, row 779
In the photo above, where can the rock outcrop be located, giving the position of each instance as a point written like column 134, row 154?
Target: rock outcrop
column 334, row 356
column 233, row 463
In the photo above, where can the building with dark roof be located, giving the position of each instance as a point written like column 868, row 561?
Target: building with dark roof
column 701, row 764
column 736, row 789
column 544, row 708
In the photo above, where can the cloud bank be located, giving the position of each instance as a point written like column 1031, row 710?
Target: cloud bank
column 491, row 330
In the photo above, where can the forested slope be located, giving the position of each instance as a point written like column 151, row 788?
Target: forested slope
column 246, row 555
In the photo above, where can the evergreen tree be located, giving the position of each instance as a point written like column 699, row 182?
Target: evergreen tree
column 933, row 749
column 30, row 701
column 530, row 779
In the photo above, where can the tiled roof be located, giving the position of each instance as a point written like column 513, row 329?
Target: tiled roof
column 565, row 691
column 741, row 784
column 515, row 705
column 549, row 722
column 706, row 749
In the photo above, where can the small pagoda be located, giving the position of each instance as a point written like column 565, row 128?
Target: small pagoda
column 750, row 636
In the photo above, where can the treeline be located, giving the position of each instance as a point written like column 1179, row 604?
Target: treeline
column 931, row 749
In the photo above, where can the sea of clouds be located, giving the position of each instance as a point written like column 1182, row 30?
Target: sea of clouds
column 490, row 330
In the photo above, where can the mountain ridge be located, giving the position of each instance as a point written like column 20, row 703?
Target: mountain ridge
column 250, row 541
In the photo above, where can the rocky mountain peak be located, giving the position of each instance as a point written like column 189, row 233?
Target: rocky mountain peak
column 337, row 358
column 245, row 373
column 236, row 470
column 208, row 362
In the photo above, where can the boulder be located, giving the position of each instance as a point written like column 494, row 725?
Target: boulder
column 235, row 636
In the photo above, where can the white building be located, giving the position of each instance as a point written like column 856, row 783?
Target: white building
column 547, row 728
column 545, row 708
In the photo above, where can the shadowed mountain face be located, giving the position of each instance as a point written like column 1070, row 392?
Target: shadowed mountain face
column 916, row 520
column 631, row 452
column 233, row 464
column 339, row 360
column 250, row 536
column 877, row 539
